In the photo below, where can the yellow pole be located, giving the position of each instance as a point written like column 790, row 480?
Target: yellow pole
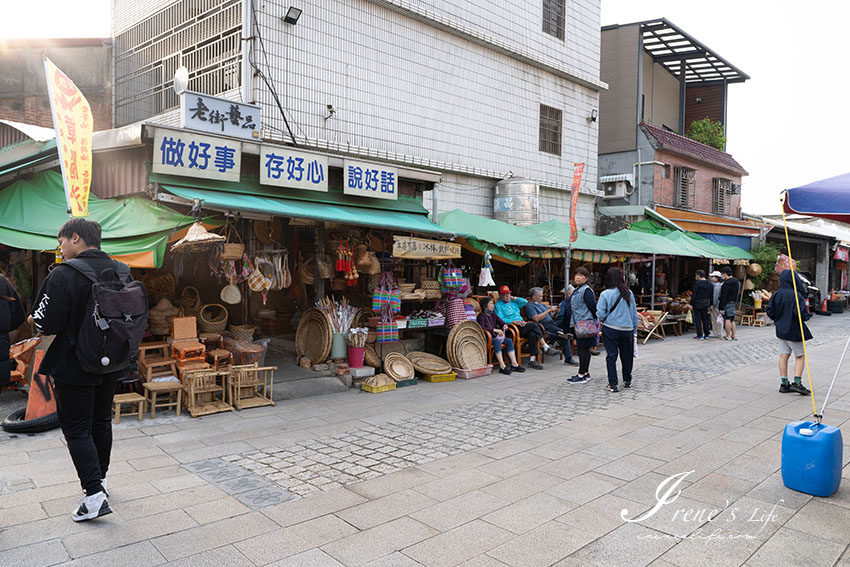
column 799, row 315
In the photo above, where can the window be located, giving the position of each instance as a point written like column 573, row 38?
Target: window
column 684, row 187
column 721, row 197
column 553, row 17
column 550, row 130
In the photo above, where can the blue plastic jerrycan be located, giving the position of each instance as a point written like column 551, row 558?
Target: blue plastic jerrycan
column 811, row 457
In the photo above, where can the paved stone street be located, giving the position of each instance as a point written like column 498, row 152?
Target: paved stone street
column 520, row 470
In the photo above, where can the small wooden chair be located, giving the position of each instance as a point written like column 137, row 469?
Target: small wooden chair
column 251, row 386
column 120, row 399
column 651, row 329
column 206, row 391
column 186, row 347
column 219, row 358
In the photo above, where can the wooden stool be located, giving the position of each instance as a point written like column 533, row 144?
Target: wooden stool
column 121, row 399
column 211, row 340
column 188, row 349
column 747, row 320
column 153, row 350
column 219, row 358
column 194, row 364
column 152, row 389
column 155, row 367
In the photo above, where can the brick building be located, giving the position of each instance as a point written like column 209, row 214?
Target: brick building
column 661, row 80
column 23, row 90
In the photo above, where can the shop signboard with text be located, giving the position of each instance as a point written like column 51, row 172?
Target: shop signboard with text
column 370, row 180
column 424, row 249
column 283, row 167
column 219, row 116
column 194, row 155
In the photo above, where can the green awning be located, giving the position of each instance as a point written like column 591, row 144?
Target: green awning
column 279, row 206
column 693, row 242
column 33, row 210
column 492, row 230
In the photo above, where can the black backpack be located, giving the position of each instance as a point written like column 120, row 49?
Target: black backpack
column 115, row 320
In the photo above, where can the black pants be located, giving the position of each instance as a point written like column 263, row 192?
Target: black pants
column 552, row 335
column 532, row 332
column 702, row 321
column 85, row 414
column 622, row 343
column 583, row 358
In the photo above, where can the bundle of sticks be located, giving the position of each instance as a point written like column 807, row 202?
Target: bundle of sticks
column 357, row 337
column 340, row 313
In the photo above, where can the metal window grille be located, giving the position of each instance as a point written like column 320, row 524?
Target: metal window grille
column 685, row 187
column 550, row 130
column 554, row 17
column 203, row 35
column 721, row 201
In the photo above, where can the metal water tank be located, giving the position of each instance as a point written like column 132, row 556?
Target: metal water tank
column 516, row 201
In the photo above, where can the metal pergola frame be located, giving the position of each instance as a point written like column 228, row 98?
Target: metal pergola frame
column 673, row 48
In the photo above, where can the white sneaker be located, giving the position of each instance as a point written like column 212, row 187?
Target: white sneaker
column 91, row 507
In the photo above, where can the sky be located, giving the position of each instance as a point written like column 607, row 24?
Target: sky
column 787, row 125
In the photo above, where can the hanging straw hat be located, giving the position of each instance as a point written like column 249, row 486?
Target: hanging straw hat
column 197, row 237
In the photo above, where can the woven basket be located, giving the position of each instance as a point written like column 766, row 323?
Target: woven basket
column 430, row 284
column 383, row 349
column 398, row 367
column 314, row 336
column 371, row 358
column 433, row 294
column 233, row 251
column 307, row 273
column 427, row 363
column 211, row 322
column 190, row 301
column 406, row 287
column 242, row 332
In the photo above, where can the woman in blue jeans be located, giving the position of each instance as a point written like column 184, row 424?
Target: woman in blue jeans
column 618, row 315
column 491, row 323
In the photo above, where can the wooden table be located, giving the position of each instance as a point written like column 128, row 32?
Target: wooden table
column 174, row 391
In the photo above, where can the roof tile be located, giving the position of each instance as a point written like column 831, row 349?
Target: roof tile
column 682, row 145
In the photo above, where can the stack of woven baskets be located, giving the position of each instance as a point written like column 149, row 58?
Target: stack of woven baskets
column 466, row 346
column 159, row 318
column 398, row 367
column 314, row 336
column 430, row 289
column 427, row 363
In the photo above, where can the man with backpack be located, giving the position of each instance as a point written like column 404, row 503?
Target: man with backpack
column 98, row 313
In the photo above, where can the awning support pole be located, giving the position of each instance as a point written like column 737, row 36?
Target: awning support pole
column 566, row 270
column 652, row 298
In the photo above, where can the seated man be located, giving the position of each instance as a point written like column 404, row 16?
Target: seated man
column 508, row 310
column 536, row 311
column 562, row 321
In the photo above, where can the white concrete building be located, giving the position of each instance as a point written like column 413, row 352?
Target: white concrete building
column 475, row 90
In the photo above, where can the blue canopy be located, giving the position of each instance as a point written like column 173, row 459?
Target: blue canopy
column 827, row 198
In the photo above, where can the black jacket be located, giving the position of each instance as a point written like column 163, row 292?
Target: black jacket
column 783, row 309
column 729, row 291
column 59, row 309
column 703, row 294
column 11, row 317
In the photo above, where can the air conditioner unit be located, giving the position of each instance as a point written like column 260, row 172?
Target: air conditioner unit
column 615, row 189
column 736, row 188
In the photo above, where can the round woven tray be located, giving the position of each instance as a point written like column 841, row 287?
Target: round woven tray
column 383, row 349
column 427, row 363
column 470, row 353
column 397, row 367
column 464, row 329
column 314, row 336
column 371, row 358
